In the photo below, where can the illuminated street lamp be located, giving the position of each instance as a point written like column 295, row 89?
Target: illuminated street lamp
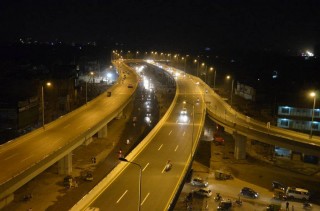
column 42, row 100
column 91, row 74
column 314, row 95
column 197, row 66
column 185, row 102
column 231, row 95
column 140, row 177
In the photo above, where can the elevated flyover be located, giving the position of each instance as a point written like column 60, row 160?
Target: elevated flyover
column 26, row 157
column 244, row 128
column 174, row 138
column 170, row 140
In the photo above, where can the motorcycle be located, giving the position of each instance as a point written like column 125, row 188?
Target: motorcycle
column 168, row 167
column 307, row 205
column 217, row 197
column 238, row 202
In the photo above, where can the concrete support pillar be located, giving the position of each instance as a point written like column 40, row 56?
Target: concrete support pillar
column 65, row 165
column 6, row 200
column 103, row 132
column 240, row 146
column 87, row 141
column 119, row 115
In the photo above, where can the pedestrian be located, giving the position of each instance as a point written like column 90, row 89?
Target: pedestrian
column 287, row 205
column 292, row 208
column 94, row 160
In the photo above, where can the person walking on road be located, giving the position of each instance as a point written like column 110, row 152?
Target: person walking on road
column 287, row 206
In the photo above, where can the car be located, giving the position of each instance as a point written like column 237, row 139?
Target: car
column 183, row 111
column 203, row 192
column 274, row 207
column 278, row 185
column 199, row 182
column 225, row 205
column 248, row 192
column 218, row 140
column 130, row 86
column 297, row 193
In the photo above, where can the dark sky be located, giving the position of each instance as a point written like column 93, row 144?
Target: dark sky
column 217, row 24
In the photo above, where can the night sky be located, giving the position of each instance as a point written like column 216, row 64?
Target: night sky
column 223, row 25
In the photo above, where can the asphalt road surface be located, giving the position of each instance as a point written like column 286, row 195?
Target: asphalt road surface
column 172, row 142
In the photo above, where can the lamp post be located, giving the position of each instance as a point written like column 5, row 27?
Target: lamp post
column 231, row 94
column 185, row 102
column 140, row 177
column 197, row 66
column 214, row 78
column 91, row 74
column 42, row 102
column 312, row 94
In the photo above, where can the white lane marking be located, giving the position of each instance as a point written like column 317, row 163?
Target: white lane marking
column 10, row 156
column 122, row 196
column 26, row 158
column 164, row 168
column 184, row 133
column 176, row 148
column 145, row 167
column 145, row 198
column 160, row 147
column 170, row 132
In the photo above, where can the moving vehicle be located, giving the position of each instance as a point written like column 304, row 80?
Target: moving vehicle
column 130, row 86
column 225, row 205
column 199, row 182
column 278, row 185
column 248, row 192
column 222, row 175
column 203, row 192
column 168, row 166
column 86, row 175
column 183, row 111
column 297, row 193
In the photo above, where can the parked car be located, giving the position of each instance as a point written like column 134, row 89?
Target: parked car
column 274, row 207
column 248, row 192
column 297, row 193
column 278, row 185
column 224, row 205
column 203, row 192
column 199, row 182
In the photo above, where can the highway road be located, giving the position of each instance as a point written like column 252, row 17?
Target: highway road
column 26, row 151
column 172, row 142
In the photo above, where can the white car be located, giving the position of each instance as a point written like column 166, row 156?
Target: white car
column 183, row 111
column 199, row 182
column 203, row 192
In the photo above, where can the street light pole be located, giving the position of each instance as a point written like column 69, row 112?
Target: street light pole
column 312, row 94
column 214, row 79
column 140, row 178
column 191, row 154
column 42, row 102
column 231, row 92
